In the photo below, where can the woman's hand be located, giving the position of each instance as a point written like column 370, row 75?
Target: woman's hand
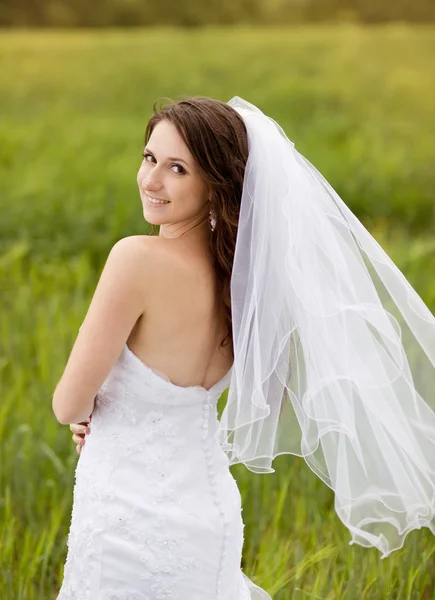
column 79, row 430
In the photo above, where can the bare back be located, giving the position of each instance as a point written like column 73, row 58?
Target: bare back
column 184, row 321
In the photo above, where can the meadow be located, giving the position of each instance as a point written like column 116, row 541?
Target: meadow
column 357, row 102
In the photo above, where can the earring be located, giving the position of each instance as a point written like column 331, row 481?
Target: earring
column 212, row 219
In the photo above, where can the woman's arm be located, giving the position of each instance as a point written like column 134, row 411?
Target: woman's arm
column 116, row 306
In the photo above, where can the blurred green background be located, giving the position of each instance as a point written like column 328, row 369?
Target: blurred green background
column 194, row 13
column 357, row 100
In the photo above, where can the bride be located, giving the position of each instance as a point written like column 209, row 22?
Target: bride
column 152, row 358
column 262, row 281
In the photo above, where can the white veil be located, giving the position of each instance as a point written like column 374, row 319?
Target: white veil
column 334, row 349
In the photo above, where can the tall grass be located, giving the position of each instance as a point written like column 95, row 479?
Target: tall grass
column 357, row 102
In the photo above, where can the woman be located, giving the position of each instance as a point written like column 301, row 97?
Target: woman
column 156, row 511
column 331, row 356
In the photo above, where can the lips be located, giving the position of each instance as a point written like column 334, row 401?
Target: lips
column 154, row 204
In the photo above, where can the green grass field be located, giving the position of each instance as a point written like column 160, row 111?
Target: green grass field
column 358, row 103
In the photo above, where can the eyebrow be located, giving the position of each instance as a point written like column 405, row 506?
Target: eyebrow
column 169, row 157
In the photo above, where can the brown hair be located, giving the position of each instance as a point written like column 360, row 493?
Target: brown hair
column 217, row 139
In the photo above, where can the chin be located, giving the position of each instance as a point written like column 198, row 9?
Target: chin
column 150, row 220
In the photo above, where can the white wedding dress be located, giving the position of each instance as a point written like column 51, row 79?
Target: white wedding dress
column 156, row 512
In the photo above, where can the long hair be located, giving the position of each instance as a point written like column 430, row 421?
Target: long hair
column 217, row 139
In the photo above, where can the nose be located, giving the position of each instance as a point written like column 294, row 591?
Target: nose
column 151, row 182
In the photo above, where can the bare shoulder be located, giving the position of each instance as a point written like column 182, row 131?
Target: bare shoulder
column 160, row 259
column 168, row 254
column 139, row 250
column 164, row 260
column 127, row 250
column 132, row 244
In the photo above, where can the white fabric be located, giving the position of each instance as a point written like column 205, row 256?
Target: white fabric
column 334, row 350
column 156, row 513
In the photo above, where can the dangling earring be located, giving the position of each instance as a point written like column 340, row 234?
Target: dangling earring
column 212, row 219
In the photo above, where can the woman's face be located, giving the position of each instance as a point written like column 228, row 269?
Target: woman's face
column 169, row 172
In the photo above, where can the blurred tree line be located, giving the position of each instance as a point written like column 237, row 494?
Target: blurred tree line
column 190, row 13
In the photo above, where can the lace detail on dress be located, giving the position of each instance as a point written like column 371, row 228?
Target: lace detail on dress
column 119, row 408
column 81, row 542
column 163, row 554
column 165, row 557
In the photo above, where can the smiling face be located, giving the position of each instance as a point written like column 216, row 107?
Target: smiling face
column 169, row 172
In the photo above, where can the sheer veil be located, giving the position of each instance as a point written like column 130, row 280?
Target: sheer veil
column 334, row 349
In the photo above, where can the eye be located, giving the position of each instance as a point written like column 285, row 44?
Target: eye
column 178, row 167
column 182, row 170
